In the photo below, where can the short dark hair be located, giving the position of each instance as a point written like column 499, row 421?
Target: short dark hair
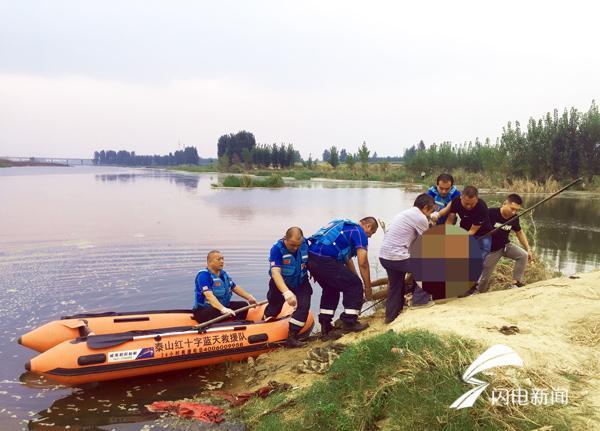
column 293, row 231
column 470, row 192
column 370, row 220
column 424, row 200
column 445, row 178
column 210, row 253
column 515, row 199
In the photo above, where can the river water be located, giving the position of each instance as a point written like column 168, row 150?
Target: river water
column 96, row 239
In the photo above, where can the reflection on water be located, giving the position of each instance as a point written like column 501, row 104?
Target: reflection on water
column 569, row 233
column 122, row 401
column 98, row 239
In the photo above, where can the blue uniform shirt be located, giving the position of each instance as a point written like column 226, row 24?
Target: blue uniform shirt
column 293, row 265
column 442, row 202
column 221, row 286
column 352, row 234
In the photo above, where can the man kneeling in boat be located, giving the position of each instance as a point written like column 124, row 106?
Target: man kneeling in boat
column 289, row 282
column 214, row 289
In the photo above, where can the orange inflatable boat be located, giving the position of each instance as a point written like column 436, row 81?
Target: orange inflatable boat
column 80, row 325
column 118, row 355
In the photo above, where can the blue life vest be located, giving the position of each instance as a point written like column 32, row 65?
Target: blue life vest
column 220, row 287
column 329, row 234
column 442, row 202
column 293, row 270
column 439, row 200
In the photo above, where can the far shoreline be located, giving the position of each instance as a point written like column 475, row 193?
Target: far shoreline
column 407, row 185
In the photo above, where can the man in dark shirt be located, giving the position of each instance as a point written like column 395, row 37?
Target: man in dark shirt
column 501, row 245
column 474, row 218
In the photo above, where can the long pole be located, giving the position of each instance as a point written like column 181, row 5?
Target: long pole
column 516, row 216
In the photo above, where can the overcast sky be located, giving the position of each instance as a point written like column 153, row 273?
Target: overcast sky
column 150, row 76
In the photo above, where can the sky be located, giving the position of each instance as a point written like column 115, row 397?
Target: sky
column 155, row 76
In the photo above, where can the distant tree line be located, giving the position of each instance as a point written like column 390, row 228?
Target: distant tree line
column 562, row 146
column 241, row 149
column 363, row 156
column 187, row 156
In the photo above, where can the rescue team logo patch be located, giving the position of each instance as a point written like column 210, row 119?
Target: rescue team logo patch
column 287, row 261
column 217, row 283
column 131, row 355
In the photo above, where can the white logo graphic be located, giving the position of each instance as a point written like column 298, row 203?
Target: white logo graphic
column 496, row 356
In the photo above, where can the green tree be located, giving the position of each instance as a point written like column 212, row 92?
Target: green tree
column 363, row 156
column 334, row 157
column 247, row 158
column 350, row 162
column 233, row 144
column 343, row 155
column 224, row 163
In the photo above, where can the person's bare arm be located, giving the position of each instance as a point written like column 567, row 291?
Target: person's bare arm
column 441, row 213
column 213, row 301
column 451, row 218
column 247, row 296
column 474, row 229
column 523, row 240
column 365, row 272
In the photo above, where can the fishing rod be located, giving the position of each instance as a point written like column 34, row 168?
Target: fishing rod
column 372, row 305
column 516, row 216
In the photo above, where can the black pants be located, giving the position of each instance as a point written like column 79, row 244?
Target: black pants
column 276, row 300
column 204, row 314
column 396, row 270
column 334, row 278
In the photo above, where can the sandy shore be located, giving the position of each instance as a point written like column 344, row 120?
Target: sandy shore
column 558, row 323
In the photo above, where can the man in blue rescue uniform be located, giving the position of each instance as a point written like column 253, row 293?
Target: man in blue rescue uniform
column 214, row 289
column 442, row 193
column 330, row 262
column 289, row 282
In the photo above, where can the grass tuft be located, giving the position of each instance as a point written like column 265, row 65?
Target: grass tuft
column 370, row 387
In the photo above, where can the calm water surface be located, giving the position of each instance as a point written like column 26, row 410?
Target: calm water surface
column 98, row 239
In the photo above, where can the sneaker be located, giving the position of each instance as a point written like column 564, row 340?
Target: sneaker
column 472, row 291
column 414, row 306
column 354, row 327
column 516, row 285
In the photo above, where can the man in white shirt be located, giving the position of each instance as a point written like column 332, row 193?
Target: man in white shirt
column 394, row 254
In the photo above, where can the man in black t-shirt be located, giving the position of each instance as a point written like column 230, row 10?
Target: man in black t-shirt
column 474, row 218
column 501, row 245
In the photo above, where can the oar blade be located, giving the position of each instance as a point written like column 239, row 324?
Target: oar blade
column 105, row 341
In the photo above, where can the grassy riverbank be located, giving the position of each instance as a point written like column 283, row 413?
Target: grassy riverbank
column 11, row 164
column 396, row 173
column 374, row 386
column 194, row 168
column 371, row 387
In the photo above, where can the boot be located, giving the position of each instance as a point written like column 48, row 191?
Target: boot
column 329, row 332
column 293, row 340
column 355, row 326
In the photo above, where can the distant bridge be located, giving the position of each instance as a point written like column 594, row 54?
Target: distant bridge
column 56, row 160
